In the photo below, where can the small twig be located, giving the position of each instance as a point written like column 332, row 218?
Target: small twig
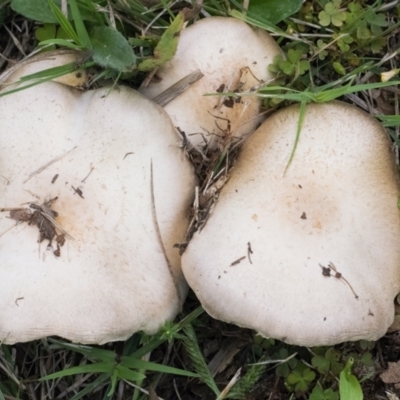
column 228, row 387
column 78, row 191
column 87, row 176
column 249, row 251
column 238, row 261
column 55, row 177
column 340, row 276
column 159, row 237
column 15, row 40
column 177, row 88
column 64, row 7
column 9, row 229
column 42, row 168
column 56, row 224
column 176, row 390
column 275, row 361
column 139, row 388
column 5, row 209
column 111, row 14
column 326, row 271
column 127, row 154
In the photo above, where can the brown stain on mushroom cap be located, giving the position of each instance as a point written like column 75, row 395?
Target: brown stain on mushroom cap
column 312, row 187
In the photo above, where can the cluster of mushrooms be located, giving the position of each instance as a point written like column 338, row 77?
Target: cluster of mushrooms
column 95, row 192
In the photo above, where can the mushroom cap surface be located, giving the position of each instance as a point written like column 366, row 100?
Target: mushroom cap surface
column 259, row 261
column 102, row 155
column 233, row 57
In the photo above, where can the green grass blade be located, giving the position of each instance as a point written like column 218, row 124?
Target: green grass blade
column 91, row 387
column 88, row 351
column 199, row 364
column 60, row 42
column 128, row 374
column 113, row 384
column 132, row 362
column 147, row 348
column 370, row 86
column 65, row 24
column 263, row 25
column 302, row 114
column 81, row 31
column 29, row 85
column 394, row 138
column 389, row 120
column 332, row 94
column 106, row 366
column 51, row 73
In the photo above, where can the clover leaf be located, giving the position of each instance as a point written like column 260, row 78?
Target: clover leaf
column 332, row 14
column 300, row 379
column 320, row 394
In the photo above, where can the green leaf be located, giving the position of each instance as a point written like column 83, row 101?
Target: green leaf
column 287, row 67
column 111, row 49
column 321, row 364
column 300, row 379
column 294, row 56
column 320, row 394
column 324, row 18
column 367, row 360
column 339, row 68
column 349, row 387
column 166, row 47
column 45, row 32
column 273, row 11
column 302, row 67
column 282, row 370
column 363, row 32
column 332, row 15
column 38, row 10
column 377, row 20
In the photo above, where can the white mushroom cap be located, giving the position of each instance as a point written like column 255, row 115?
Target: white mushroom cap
column 231, row 55
column 335, row 206
column 92, row 151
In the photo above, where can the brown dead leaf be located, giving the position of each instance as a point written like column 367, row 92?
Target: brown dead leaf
column 392, row 374
column 152, row 394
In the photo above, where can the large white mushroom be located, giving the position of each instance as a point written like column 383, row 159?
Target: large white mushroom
column 310, row 257
column 94, row 191
column 233, row 57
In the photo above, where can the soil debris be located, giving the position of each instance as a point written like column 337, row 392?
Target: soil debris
column 43, row 217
